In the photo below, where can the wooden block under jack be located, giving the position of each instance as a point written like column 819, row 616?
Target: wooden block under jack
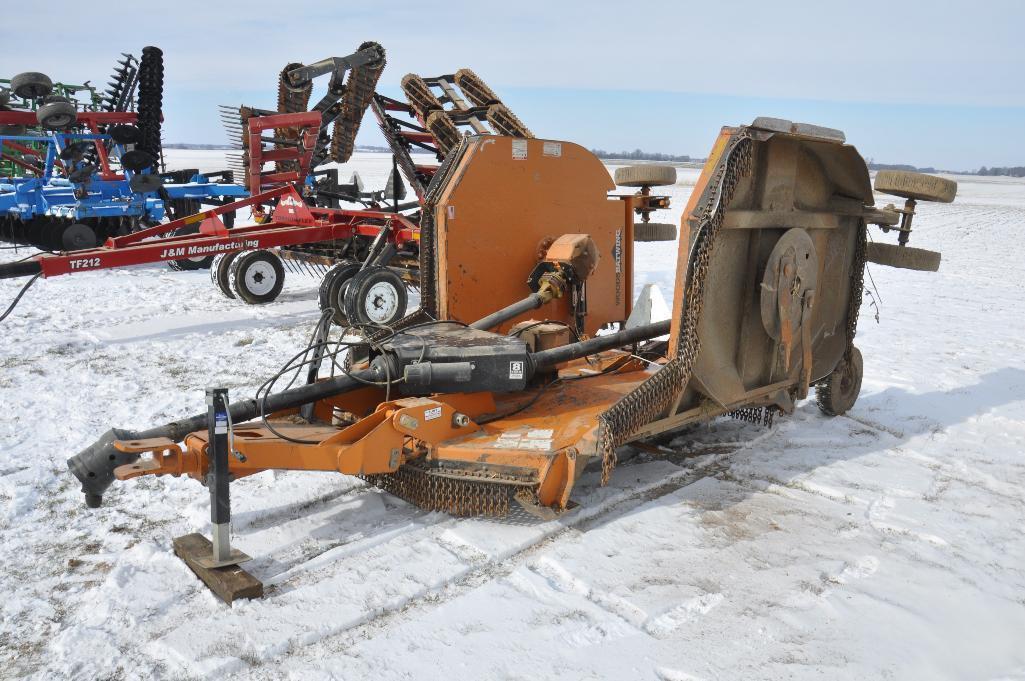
column 230, row 582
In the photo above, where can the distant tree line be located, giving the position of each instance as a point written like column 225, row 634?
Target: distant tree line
column 872, row 165
column 1012, row 171
column 638, row 155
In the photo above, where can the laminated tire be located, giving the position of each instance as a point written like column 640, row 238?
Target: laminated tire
column 649, row 175
column 220, row 268
column 654, row 231
column 124, row 134
column 837, row 392
column 137, row 160
column 376, row 296
column 332, row 289
column 256, row 277
column 917, row 186
column 57, row 115
column 31, row 85
column 77, row 237
column 904, row 257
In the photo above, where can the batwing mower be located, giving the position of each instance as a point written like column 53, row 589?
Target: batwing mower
column 519, row 370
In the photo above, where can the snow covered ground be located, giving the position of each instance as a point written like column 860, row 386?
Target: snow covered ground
column 889, row 544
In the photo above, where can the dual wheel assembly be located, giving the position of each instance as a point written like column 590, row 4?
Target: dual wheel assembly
column 836, row 393
column 53, row 112
column 356, row 295
column 372, row 295
column 644, row 177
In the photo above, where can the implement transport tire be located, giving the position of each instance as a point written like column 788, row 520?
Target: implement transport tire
column 256, row 277
column 332, row 290
column 219, row 273
column 77, row 237
column 837, row 392
column 654, row 231
column 31, row 85
column 57, row 115
column 904, row 257
column 915, row 186
column 376, row 297
column 648, row 175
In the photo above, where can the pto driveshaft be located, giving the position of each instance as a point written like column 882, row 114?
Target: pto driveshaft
column 94, row 466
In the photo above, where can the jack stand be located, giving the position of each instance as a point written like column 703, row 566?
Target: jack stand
column 216, row 563
column 320, row 343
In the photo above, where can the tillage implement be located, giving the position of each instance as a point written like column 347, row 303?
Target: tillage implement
column 369, row 257
column 519, row 370
column 77, row 166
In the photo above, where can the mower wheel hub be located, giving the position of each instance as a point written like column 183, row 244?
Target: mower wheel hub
column 381, row 302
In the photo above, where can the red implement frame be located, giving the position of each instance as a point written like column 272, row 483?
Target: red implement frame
column 309, row 125
column 293, row 223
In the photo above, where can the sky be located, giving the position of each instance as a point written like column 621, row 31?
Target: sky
column 938, row 83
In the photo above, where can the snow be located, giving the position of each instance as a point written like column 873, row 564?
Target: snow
column 886, row 544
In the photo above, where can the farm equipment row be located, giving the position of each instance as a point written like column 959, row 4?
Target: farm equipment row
column 382, row 258
column 76, row 172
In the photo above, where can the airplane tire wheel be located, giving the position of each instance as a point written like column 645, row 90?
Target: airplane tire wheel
column 915, row 186
column 219, row 273
column 837, row 392
column 648, row 175
column 31, row 85
column 57, row 115
column 376, row 296
column 904, row 257
column 256, row 277
column 332, row 289
column 654, row 231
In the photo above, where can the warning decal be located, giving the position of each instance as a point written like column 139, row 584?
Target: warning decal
column 519, row 150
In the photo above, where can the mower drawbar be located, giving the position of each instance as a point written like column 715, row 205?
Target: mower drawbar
column 94, row 466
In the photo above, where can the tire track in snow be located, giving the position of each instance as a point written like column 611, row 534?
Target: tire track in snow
column 487, row 570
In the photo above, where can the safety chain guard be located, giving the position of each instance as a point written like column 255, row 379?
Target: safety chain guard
column 653, row 397
column 857, row 286
column 415, row 482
